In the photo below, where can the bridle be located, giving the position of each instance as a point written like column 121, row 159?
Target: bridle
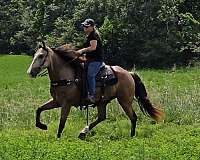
column 45, row 55
column 45, row 72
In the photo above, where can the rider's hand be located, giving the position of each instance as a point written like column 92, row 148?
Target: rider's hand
column 82, row 59
column 81, row 52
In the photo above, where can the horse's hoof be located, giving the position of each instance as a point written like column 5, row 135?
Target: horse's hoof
column 58, row 135
column 41, row 126
column 133, row 134
column 82, row 136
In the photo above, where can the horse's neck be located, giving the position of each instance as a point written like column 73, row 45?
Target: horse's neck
column 59, row 70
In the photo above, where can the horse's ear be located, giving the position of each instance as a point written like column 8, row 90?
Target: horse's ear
column 43, row 43
column 39, row 46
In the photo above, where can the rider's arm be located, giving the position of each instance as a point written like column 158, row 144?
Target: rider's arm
column 92, row 47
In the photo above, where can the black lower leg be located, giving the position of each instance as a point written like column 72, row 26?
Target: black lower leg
column 38, row 123
column 133, row 126
column 92, row 125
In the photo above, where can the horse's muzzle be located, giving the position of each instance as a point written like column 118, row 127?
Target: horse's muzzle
column 34, row 73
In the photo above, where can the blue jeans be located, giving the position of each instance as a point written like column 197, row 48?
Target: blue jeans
column 93, row 69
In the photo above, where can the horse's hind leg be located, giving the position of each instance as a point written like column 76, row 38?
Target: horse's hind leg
column 47, row 106
column 101, row 108
column 127, row 107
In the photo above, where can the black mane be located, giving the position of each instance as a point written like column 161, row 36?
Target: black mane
column 68, row 53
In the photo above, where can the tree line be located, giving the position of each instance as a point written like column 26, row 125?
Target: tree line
column 145, row 33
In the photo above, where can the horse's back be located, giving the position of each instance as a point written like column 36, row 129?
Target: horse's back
column 122, row 73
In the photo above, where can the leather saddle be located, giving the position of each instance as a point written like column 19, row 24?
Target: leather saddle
column 106, row 77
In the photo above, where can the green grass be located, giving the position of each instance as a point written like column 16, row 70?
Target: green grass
column 177, row 138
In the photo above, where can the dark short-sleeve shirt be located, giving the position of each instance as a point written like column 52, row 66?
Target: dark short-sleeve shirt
column 96, row 55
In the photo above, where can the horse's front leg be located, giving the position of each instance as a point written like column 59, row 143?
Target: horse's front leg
column 64, row 113
column 101, row 108
column 47, row 106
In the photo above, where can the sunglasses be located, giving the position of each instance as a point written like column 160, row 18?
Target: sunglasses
column 86, row 26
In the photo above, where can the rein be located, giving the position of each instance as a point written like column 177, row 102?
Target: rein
column 43, row 73
column 73, row 60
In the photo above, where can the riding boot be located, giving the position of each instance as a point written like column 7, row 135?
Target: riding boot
column 91, row 99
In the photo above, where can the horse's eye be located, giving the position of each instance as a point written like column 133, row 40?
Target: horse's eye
column 40, row 56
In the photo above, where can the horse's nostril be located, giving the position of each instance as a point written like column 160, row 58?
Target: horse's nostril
column 33, row 74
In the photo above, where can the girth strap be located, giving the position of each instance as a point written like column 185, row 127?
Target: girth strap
column 63, row 82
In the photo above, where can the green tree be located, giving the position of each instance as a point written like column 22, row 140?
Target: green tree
column 140, row 33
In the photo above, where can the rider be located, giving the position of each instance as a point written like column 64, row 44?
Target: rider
column 93, row 50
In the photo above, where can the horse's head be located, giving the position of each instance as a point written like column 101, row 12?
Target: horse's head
column 40, row 61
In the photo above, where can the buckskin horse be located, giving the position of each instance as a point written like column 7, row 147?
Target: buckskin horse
column 63, row 64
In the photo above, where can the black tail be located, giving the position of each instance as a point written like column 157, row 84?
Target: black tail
column 144, row 102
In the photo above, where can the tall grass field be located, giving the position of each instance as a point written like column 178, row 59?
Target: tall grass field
column 177, row 138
